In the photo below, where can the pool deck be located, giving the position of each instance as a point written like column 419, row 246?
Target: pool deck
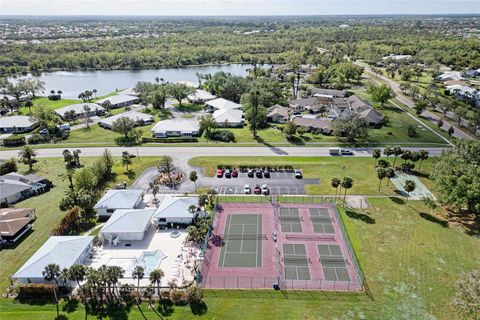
column 177, row 265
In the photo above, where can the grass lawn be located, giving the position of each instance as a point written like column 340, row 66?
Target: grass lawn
column 409, row 260
column 48, row 103
column 324, row 168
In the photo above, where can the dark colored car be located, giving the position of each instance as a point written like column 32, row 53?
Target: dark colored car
column 234, row 173
column 259, row 173
column 228, row 173
column 266, row 173
column 250, row 173
column 257, row 189
column 219, row 173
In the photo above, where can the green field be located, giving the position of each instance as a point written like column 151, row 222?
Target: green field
column 409, row 258
column 361, row 170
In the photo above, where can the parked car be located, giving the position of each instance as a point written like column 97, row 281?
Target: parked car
column 265, row 189
column 219, row 173
column 266, row 173
column 63, row 126
column 257, row 189
column 259, row 173
column 346, row 152
column 250, row 173
column 228, row 173
column 298, row 173
column 334, row 151
column 247, row 189
column 234, row 173
column 43, row 131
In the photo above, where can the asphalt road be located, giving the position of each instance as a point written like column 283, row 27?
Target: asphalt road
column 190, row 152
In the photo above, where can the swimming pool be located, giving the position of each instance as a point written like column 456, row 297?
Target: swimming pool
column 149, row 260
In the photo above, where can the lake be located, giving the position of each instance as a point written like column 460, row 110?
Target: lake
column 106, row 81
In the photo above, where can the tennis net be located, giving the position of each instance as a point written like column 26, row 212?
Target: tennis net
column 243, row 236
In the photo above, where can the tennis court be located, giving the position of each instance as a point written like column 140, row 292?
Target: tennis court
column 290, row 220
column 321, row 220
column 333, row 262
column 295, row 262
column 242, row 241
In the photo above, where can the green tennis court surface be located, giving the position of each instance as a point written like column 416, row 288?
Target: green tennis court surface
column 290, row 220
column 321, row 221
column 242, row 241
column 295, row 262
column 333, row 263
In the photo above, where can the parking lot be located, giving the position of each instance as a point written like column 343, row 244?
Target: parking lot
column 282, row 182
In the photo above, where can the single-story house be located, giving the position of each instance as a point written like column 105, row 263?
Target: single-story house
column 139, row 118
column 64, row 251
column 14, row 124
column 474, row 73
column 449, row 75
column 15, row 187
column 79, row 110
column 302, row 104
column 331, row 92
column 357, row 104
column 176, row 128
column 176, row 210
column 127, row 225
column 14, row 223
column 221, row 104
column 200, row 96
column 397, row 57
column 11, row 99
column 372, row 116
column 118, row 199
column 228, row 117
column 120, row 100
column 465, row 93
column 278, row 114
column 316, row 125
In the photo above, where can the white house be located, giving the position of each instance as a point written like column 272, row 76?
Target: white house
column 118, row 199
column 120, row 100
column 228, row 117
column 175, row 210
column 139, row 118
column 176, row 128
column 221, row 103
column 17, row 124
column 15, row 187
column 79, row 110
column 449, row 75
column 65, row 251
column 200, row 96
column 127, row 225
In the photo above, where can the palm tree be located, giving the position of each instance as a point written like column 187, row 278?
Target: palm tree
column 409, row 187
column 52, row 274
column 95, row 92
column 27, row 155
column 156, row 279
column 397, row 151
column 346, row 183
column 113, row 273
column 194, row 177
column 207, row 123
column 335, row 183
column 390, row 173
column 423, row 154
column 77, row 273
column 138, row 273
column 376, row 153
column 126, row 159
column 64, row 277
column 381, row 174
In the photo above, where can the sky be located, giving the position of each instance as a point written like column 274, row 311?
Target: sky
column 236, row 7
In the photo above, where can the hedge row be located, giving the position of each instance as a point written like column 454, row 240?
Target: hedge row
column 169, row 140
column 36, row 290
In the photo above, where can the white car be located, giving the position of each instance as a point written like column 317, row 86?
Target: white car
column 247, row 189
column 265, row 189
column 346, row 152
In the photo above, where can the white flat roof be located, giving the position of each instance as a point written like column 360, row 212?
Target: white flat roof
column 121, row 199
column 128, row 221
column 119, row 98
column 221, row 103
column 175, row 207
column 78, row 108
column 176, row 125
column 16, row 121
column 230, row 115
column 201, row 95
column 133, row 115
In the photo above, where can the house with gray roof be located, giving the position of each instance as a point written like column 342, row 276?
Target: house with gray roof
column 174, row 210
column 277, row 114
column 16, row 124
column 315, row 125
column 15, row 187
column 119, row 199
column 228, row 118
column 81, row 110
column 330, row 92
column 221, row 104
column 139, row 118
column 176, row 128
column 200, row 96
column 120, row 100
column 130, row 224
column 64, row 251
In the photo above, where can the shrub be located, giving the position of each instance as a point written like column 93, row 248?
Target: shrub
column 223, row 135
column 179, row 297
column 169, row 140
column 412, row 131
column 38, row 138
column 68, row 223
column 36, row 290
column 8, row 166
column 14, row 141
column 54, row 97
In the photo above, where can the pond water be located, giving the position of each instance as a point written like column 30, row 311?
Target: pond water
column 106, row 81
